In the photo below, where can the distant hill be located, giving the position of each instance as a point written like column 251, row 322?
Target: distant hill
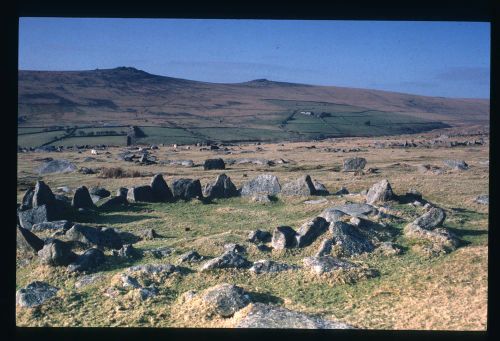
column 272, row 110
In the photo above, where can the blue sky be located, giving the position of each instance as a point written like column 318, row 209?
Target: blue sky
column 449, row 59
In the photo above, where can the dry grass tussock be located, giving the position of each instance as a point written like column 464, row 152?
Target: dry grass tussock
column 118, row 172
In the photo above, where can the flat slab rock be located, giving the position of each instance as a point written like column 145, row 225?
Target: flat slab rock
column 320, row 265
column 268, row 316
column 57, row 166
column 35, row 294
column 228, row 259
column 355, row 209
column 165, row 269
column 266, row 266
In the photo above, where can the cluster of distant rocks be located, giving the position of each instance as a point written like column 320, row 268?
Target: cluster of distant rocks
column 442, row 142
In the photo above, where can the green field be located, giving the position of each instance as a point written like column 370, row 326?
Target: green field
column 94, row 140
column 38, row 139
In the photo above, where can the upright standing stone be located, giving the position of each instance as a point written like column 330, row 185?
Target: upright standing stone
column 82, row 198
column 161, row 191
column 283, row 237
column 262, row 184
column 380, row 192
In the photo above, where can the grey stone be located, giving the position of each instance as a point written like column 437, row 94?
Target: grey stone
column 190, row 256
column 27, row 201
column 127, row 251
column 442, row 238
column 89, row 260
column 39, row 214
column 456, row 164
column 160, row 252
column 35, row 294
column 316, row 202
column 140, row 194
column 149, row 234
column 187, row 189
column 87, row 280
column 483, row 199
column 356, row 209
column 101, row 192
column 56, row 253
column 95, row 237
column 320, row 188
column 113, row 202
column 324, row 264
column 350, row 239
column 129, row 281
column 332, row 214
column 284, row 237
column 154, row 269
column 259, row 236
column 270, row 316
column 261, row 184
column 267, row 266
column 61, row 225
column 148, row 292
column 223, row 187
column 57, row 166
column 380, row 192
column 82, row 198
column 302, row 186
column 232, row 247
column 214, row 164
column 354, row 164
column 227, row 260
column 325, row 247
column 122, row 192
column 431, row 219
column 161, row 191
column 27, row 241
column 42, row 195
column 311, row 230
column 342, row 191
column 226, row 299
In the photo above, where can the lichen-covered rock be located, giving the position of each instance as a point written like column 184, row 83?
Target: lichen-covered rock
column 325, row 248
column 227, row 260
column 56, row 253
column 187, row 189
column 261, row 184
column 57, row 166
column 353, row 164
column 89, row 260
column 349, row 239
column 302, row 186
column 35, row 215
column 320, row 189
column 332, row 214
column 127, row 251
column 190, row 257
column 140, row 194
column 82, row 199
column 380, row 192
column 233, row 247
column 113, row 202
column 283, row 237
column 320, row 265
column 261, row 315
column 456, row 164
column 223, row 187
column 94, row 237
column 28, row 242
column 311, row 230
column 214, row 164
column 259, row 236
column 440, row 239
column 431, row 219
column 149, row 234
column 58, row 225
column 267, row 266
column 225, row 299
column 35, row 294
column 160, row 189
column 42, row 195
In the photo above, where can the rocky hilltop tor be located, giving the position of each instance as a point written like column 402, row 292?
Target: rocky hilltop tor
column 262, row 109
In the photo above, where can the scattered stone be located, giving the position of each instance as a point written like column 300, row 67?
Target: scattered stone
column 261, row 184
column 93, row 236
column 140, row 194
column 426, row 168
column 56, row 253
column 101, row 192
column 87, row 280
column 149, row 234
column 228, row 259
column 261, row 315
column 302, row 186
column 223, row 187
column 27, row 202
column 61, row 225
column 380, row 192
column 27, row 241
column 225, row 299
column 42, row 195
column 82, row 198
column 389, row 249
column 349, row 240
column 320, row 265
column 35, row 294
column 113, row 202
column 431, row 219
column 214, row 164
column 342, row 191
column 357, row 210
column 127, row 251
column 86, row 170
column 122, row 192
column 456, row 164
column 354, row 164
column 154, row 269
column 284, row 237
column 316, row 202
column 57, row 166
column 320, row 189
column 259, row 236
column 187, row 189
column 232, row 247
column 190, row 257
column 311, row 230
column 160, row 252
column 184, row 163
column 148, row 292
column 89, row 260
column 441, row 239
column 39, row 214
column 160, row 189
column 483, row 199
column 332, row 214
column 266, row 266
column 129, row 281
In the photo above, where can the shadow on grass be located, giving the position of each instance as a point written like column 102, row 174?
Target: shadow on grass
column 466, row 232
column 265, row 298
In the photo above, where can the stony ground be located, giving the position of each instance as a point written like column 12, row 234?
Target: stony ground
column 413, row 290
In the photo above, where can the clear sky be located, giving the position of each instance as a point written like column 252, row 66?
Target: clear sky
column 449, row 59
